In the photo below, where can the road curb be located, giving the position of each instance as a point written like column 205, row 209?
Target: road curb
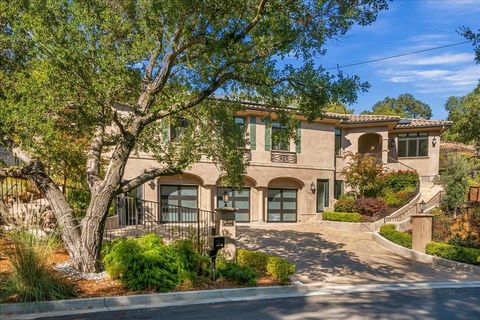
column 90, row 305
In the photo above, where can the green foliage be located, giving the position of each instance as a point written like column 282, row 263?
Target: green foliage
column 147, row 263
column 342, row 216
column 465, row 114
column 398, row 199
column 280, row 269
column 339, row 108
column 401, row 238
column 79, row 200
column 405, row 106
column 401, row 180
column 345, row 203
column 453, row 252
column 65, row 66
column 455, row 181
column 256, row 260
column 192, row 263
column 237, row 273
column 371, row 206
column 364, row 174
column 32, row 279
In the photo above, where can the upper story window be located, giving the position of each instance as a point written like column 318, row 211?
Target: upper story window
column 413, row 144
column 338, row 141
column 280, row 139
column 240, row 121
column 178, row 128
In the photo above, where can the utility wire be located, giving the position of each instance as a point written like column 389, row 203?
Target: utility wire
column 398, row 55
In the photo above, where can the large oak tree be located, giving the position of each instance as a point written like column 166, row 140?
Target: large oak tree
column 112, row 75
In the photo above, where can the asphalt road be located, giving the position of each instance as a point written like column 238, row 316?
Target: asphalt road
column 414, row 304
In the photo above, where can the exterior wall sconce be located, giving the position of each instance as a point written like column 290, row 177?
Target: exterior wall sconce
column 313, row 187
column 434, row 141
column 225, row 198
column 422, row 206
column 392, row 143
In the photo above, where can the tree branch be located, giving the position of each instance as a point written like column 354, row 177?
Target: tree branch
column 93, row 156
column 146, row 176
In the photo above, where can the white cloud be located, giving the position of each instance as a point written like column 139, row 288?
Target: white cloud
column 436, row 81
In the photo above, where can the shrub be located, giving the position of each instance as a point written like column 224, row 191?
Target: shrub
column 280, row 269
column 364, row 174
column 401, row 180
column 452, row 252
column 398, row 199
column 371, row 206
column 455, row 181
column 144, row 264
column 345, row 203
column 32, row 279
column 401, row 238
column 192, row 263
column 237, row 273
column 342, row 216
column 256, row 260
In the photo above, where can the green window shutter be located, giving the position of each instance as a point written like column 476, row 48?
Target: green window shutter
column 268, row 135
column 165, row 132
column 298, row 145
column 253, row 133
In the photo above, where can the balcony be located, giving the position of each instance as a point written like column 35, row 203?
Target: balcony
column 283, row 156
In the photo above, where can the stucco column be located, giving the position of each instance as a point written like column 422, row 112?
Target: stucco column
column 209, row 200
column 422, row 225
column 225, row 227
column 261, row 204
column 385, row 150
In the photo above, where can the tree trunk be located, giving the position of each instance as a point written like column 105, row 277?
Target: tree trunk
column 87, row 258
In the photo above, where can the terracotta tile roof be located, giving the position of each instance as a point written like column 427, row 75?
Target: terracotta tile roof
column 422, row 123
column 356, row 118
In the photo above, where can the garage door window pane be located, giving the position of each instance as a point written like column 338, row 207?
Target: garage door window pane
column 282, row 205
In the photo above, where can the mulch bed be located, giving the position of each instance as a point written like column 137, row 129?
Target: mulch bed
column 89, row 288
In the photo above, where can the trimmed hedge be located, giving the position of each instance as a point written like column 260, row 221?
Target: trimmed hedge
column 342, row 216
column 238, row 273
column 279, row 268
column 401, row 238
column 453, row 252
column 346, row 203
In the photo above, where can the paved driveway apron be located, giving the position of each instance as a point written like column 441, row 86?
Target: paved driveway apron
column 336, row 257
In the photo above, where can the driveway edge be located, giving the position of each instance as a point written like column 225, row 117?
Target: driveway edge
column 423, row 257
column 123, row 303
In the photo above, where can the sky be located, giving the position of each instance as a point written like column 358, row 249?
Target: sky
column 411, row 25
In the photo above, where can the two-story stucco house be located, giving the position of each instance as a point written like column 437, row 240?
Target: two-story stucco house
column 291, row 182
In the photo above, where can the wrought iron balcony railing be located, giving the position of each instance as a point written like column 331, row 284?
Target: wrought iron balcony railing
column 283, row 156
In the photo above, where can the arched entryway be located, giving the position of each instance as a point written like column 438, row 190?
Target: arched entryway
column 370, row 143
column 282, row 199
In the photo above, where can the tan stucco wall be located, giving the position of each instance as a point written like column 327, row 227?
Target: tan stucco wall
column 427, row 167
column 315, row 161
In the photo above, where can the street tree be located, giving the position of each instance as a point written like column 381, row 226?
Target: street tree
column 405, row 105
column 119, row 74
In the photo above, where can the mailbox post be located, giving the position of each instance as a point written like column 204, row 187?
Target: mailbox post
column 225, row 227
column 216, row 243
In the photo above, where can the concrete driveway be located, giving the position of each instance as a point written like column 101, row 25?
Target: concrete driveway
column 335, row 257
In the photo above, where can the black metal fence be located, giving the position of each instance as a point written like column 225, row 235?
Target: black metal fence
column 22, row 204
column 136, row 217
